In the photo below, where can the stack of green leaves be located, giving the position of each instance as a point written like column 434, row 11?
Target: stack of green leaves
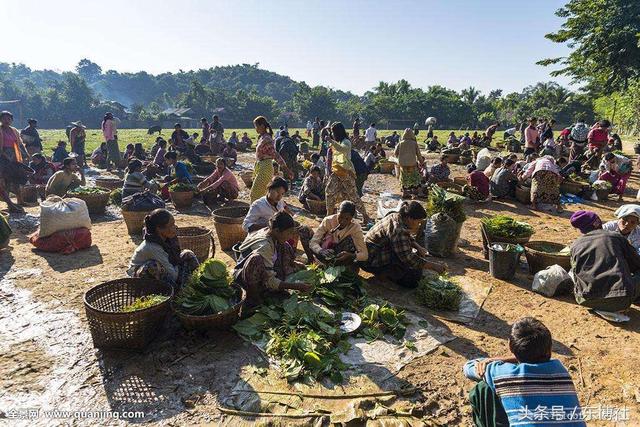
column 144, row 302
column 181, row 187
column 505, row 226
column 439, row 293
column 337, row 287
column 115, row 198
column 208, row 290
column 87, row 190
column 441, row 201
column 382, row 319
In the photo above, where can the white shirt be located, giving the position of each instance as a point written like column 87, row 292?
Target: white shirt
column 260, row 212
column 633, row 237
column 370, row 134
column 510, row 131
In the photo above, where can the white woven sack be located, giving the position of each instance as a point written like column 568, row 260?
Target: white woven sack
column 58, row 214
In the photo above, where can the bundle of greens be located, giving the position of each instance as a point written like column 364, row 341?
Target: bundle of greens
column 181, row 187
column 208, row 290
column 382, row 319
column 577, row 178
column 115, row 198
column 505, row 226
column 439, row 293
column 144, row 302
column 601, row 185
column 337, row 287
column 441, row 201
column 87, row 190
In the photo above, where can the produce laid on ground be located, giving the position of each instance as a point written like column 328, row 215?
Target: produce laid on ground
column 303, row 332
column 439, row 293
column 181, row 187
column 87, row 190
column 208, row 290
column 505, row 226
column 144, row 302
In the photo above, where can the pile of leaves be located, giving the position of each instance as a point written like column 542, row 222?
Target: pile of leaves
column 334, row 286
column 439, row 293
column 579, row 179
column 379, row 320
column 115, row 198
column 505, row 226
column 87, row 190
column 208, row 290
column 182, row 187
column 441, row 201
column 601, row 185
column 144, row 302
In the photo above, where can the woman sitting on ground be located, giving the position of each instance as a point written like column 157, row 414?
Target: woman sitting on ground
column 409, row 158
column 339, row 239
column 266, row 260
column 626, row 224
column 128, row 153
column 135, row 181
column 545, row 182
column 452, row 142
column 159, row 256
column 441, row 171
column 477, row 188
column 391, row 248
column 43, row 170
column 617, row 172
column 65, row 179
column 312, row 187
column 230, row 152
column 99, row 156
column 233, row 139
column 493, row 167
column 245, row 142
column 220, row 186
column 433, row 145
column 139, row 153
column 503, row 182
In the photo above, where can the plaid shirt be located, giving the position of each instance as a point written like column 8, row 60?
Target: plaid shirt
column 440, row 172
column 390, row 238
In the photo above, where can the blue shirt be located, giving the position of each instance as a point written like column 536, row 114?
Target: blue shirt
column 181, row 172
column 532, row 394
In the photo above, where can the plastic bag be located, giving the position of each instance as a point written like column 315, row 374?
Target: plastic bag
column 387, row 203
column 58, row 214
column 549, row 282
column 483, row 159
column 441, row 235
column 142, row 202
column 64, row 242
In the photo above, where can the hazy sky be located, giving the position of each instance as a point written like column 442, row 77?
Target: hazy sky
column 348, row 44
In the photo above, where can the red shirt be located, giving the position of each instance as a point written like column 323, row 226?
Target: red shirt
column 479, row 180
column 598, row 138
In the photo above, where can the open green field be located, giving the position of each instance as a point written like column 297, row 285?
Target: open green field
column 131, row 136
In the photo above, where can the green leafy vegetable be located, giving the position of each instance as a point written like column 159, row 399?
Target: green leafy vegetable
column 181, row 187
column 441, row 201
column 381, row 319
column 115, row 198
column 208, row 290
column 144, row 302
column 505, row 226
column 87, row 190
column 439, row 293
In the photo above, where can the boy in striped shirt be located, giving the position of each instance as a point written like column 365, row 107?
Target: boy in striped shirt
column 529, row 389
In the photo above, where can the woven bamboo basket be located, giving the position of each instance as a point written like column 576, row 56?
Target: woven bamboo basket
column 386, row 167
column 228, row 224
column 215, row 322
column 247, row 178
column 523, row 194
column 181, row 199
column 317, row 207
column 96, row 203
column 568, row 186
column 111, row 328
column 29, row 193
column 134, row 220
column 197, row 239
column 110, row 183
column 209, row 159
column 204, row 168
column 453, row 158
column 539, row 260
column 465, row 160
column 460, row 180
column 488, row 240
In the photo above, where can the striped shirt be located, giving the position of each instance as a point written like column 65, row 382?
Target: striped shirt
column 532, row 394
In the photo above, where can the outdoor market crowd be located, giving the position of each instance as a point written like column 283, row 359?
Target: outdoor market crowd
column 334, row 166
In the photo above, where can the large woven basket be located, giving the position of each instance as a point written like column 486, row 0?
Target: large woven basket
column 209, row 159
column 488, row 240
column 523, row 194
column 460, row 180
column 204, row 168
column 29, row 193
column 453, row 158
column 228, row 224
column 134, row 220
column 111, row 328
column 215, row 322
column 197, row 239
column 96, row 203
column 317, row 207
column 247, row 178
column 539, row 260
column 181, row 199
column 386, row 167
column 568, row 186
column 110, row 183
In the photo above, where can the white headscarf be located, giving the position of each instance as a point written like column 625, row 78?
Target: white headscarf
column 626, row 210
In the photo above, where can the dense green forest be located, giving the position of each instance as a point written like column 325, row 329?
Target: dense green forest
column 245, row 91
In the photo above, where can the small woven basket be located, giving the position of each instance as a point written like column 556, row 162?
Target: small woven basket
column 228, row 224
column 572, row 187
column 110, row 183
column 111, row 328
column 204, row 168
column 317, row 207
column 539, row 260
column 460, row 180
column 487, row 240
column 181, row 199
column 134, row 220
column 386, row 167
column 96, row 203
column 523, row 194
column 247, row 178
column 214, row 322
column 197, row 239
column 29, row 193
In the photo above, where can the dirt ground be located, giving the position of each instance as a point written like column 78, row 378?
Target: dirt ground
column 47, row 359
